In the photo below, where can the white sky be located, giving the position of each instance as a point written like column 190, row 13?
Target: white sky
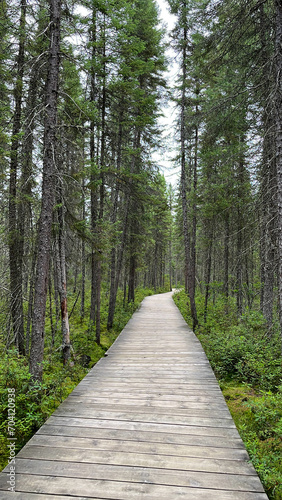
column 164, row 157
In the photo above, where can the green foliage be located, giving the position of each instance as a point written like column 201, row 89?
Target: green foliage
column 258, row 417
column 33, row 404
column 237, row 348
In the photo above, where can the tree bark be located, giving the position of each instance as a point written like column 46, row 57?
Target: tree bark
column 278, row 130
column 268, row 242
column 226, row 258
column 132, row 270
column 189, row 286
column 208, row 272
column 82, row 303
column 15, row 261
column 113, row 289
column 102, row 193
column 47, row 203
column 62, row 281
column 93, row 179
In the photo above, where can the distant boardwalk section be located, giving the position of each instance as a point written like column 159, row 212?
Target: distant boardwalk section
column 148, row 422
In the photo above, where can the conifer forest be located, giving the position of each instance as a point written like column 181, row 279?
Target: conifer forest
column 90, row 221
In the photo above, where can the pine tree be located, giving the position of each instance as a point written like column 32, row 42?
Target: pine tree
column 47, row 204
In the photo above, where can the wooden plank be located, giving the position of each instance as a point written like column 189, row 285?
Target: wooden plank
column 221, row 432
column 152, row 448
column 186, row 410
column 136, row 435
column 64, row 411
column 93, row 456
column 19, row 495
column 141, row 475
column 155, row 397
column 155, row 402
column 121, row 490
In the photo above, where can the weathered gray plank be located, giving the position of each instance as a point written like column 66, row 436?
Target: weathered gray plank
column 221, row 432
column 141, row 475
column 18, row 495
column 144, row 417
column 137, row 435
column 186, row 410
column 152, row 448
column 149, row 402
column 121, row 490
column 93, row 456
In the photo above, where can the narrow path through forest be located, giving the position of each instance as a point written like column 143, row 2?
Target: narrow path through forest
column 148, row 422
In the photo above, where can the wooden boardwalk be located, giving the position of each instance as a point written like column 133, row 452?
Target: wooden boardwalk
column 148, row 422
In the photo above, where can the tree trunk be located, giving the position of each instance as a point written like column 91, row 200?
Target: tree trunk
column 93, row 179
column 30, row 300
column 16, row 283
column 240, row 239
column 82, row 303
column 208, row 273
column 62, row 279
column 278, row 130
column 132, row 270
column 189, row 286
column 47, row 203
column 226, row 258
column 268, row 220
column 102, row 193
column 113, row 289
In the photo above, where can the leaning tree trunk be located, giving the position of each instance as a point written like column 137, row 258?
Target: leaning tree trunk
column 47, row 203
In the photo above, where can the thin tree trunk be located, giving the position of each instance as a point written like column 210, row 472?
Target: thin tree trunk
column 66, row 344
column 187, row 245
column 102, row 193
column 240, row 239
column 47, row 203
column 53, row 331
column 132, row 270
column 30, row 301
column 25, row 243
column 208, row 273
column 113, row 291
column 82, row 303
column 268, row 220
column 93, row 179
column 136, row 145
column 278, row 129
column 226, row 258
column 16, row 283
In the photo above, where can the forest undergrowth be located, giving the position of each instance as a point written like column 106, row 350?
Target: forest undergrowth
column 34, row 404
column 246, row 360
